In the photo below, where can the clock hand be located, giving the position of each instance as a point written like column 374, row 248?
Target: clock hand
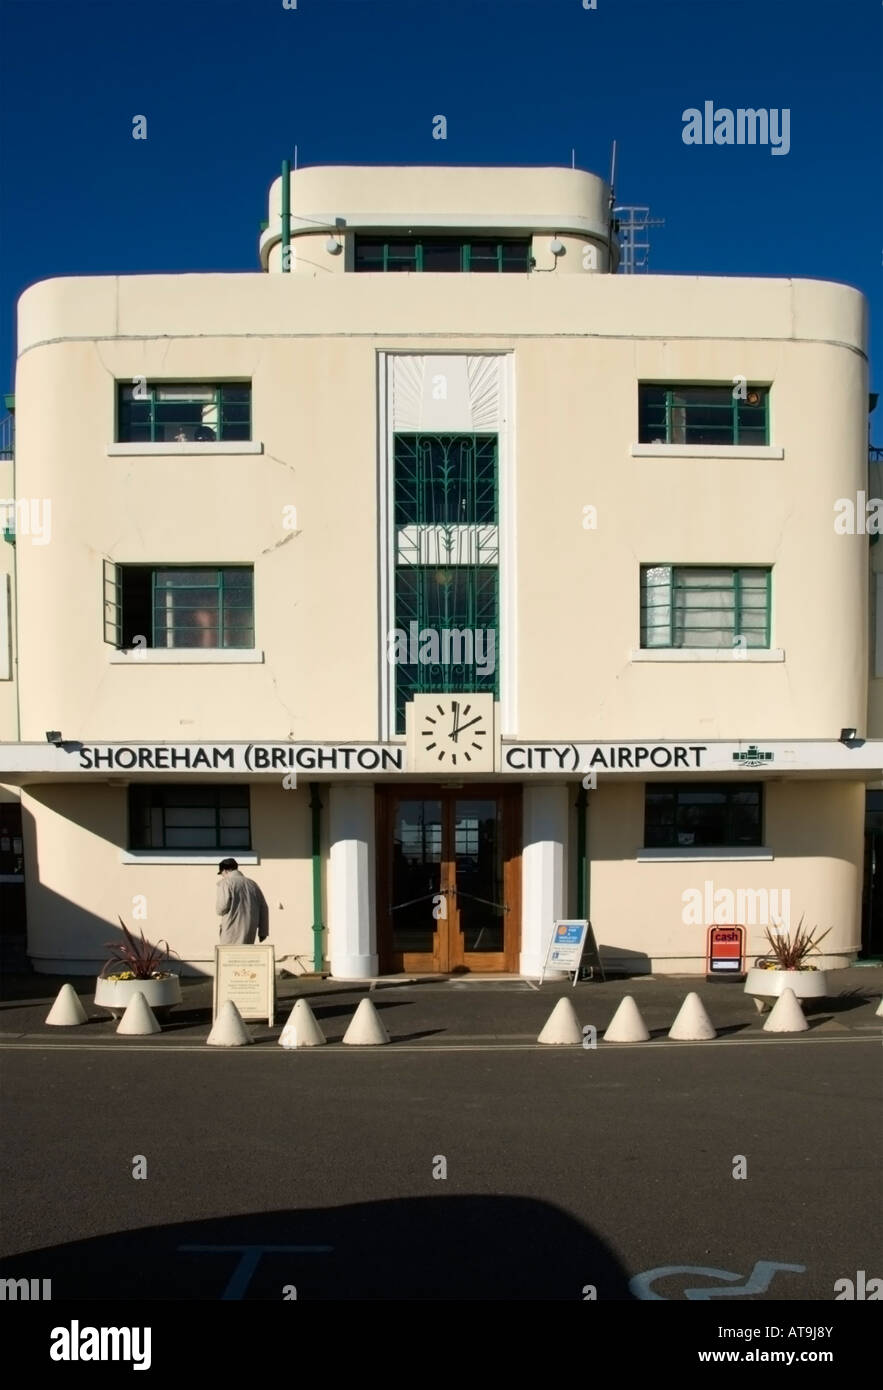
column 476, row 720
column 455, row 728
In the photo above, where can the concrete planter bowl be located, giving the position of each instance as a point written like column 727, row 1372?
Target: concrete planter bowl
column 161, row 995
column 769, row 984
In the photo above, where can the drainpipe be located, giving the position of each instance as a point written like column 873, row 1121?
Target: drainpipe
column 286, row 214
column 316, row 808
column 15, row 605
column 582, row 862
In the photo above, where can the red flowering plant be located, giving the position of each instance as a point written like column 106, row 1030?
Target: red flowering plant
column 141, row 960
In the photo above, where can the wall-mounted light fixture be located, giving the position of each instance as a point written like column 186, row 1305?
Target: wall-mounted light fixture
column 847, row 735
column 54, row 736
column 557, row 247
column 333, row 246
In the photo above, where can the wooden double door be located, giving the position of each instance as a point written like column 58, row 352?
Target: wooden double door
column 449, row 878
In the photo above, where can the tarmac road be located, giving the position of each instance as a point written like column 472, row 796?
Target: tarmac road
column 564, row 1169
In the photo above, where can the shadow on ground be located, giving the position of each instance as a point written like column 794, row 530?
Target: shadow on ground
column 470, row 1248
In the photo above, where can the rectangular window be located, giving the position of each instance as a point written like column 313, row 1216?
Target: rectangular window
column 446, row 586
column 445, row 479
column 695, row 606
column 181, row 412
column 189, row 816
column 434, row 254
column 703, row 414
column 11, row 842
column 681, row 815
column 178, row 606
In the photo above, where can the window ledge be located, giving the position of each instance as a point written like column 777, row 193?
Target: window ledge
column 735, row 655
column 211, row 446
column 703, row 854
column 706, row 451
column 186, row 856
column 185, row 656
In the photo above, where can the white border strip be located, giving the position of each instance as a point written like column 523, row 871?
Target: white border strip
column 706, row 451
column 736, row 656
column 192, row 447
column 185, row 656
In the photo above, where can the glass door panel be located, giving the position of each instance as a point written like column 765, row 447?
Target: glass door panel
column 448, row 880
column 478, row 861
column 416, row 876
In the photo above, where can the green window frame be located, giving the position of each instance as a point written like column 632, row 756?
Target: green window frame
column 446, row 503
column 712, row 414
column 179, row 607
column 168, row 412
column 446, row 479
column 189, row 816
column 443, row 254
column 705, row 607
column 685, row 815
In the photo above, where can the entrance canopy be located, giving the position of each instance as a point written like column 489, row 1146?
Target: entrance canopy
column 72, row 760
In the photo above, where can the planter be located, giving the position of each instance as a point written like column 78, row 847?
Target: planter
column 769, row 984
column 161, row 995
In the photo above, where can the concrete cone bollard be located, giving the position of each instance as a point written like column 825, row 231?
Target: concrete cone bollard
column 786, row 1015
column 302, row 1028
column 627, row 1024
column 562, row 1028
column 692, row 1023
column 139, row 1018
column 228, row 1030
column 366, row 1028
column 67, row 1009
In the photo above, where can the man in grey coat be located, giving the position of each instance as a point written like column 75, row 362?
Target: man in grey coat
column 241, row 906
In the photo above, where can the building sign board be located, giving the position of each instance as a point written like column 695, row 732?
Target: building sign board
column 247, row 975
column 327, row 761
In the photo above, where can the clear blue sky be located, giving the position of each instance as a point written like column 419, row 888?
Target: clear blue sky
column 230, row 86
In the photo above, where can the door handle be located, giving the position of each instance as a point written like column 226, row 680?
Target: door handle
column 410, row 903
column 504, row 907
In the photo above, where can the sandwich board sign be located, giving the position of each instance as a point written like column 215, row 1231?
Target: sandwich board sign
column 567, row 945
column 247, row 975
column 725, row 950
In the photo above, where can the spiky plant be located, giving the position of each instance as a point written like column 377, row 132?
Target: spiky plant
column 792, row 952
column 141, row 960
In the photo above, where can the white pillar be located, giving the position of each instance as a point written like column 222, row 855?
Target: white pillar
column 543, row 870
column 352, row 923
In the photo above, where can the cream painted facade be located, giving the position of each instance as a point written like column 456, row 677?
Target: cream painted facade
column 339, row 363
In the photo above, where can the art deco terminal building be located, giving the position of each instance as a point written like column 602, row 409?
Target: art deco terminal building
column 449, row 580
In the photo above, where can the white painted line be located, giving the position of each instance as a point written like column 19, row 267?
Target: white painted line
column 336, row 1049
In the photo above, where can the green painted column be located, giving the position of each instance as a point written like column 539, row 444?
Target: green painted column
column 582, row 859
column 318, row 927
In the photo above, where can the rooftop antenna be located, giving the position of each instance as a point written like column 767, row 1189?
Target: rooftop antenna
column 610, row 201
column 632, row 225
column 573, row 159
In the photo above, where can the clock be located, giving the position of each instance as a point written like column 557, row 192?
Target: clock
column 453, row 732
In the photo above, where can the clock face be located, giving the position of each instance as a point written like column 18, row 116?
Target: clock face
column 454, row 731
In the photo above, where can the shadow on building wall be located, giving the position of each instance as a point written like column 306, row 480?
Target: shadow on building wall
column 60, row 929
